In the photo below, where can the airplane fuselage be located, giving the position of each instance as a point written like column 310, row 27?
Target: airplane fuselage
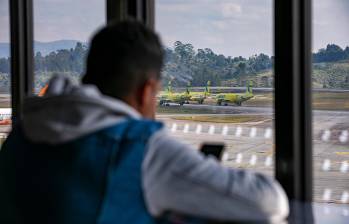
column 238, row 99
column 180, row 98
column 198, row 97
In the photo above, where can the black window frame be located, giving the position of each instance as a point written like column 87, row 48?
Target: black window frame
column 293, row 91
column 22, row 54
column 293, row 115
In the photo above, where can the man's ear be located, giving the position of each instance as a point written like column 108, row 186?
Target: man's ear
column 146, row 92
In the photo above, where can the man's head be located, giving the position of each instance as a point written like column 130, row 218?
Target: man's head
column 124, row 62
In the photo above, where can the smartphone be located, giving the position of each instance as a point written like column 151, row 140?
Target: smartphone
column 215, row 149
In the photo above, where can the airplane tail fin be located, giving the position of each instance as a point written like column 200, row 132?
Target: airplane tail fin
column 249, row 87
column 169, row 86
column 188, row 88
column 208, row 88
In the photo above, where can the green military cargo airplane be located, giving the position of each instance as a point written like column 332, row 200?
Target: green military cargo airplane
column 199, row 96
column 238, row 99
column 168, row 96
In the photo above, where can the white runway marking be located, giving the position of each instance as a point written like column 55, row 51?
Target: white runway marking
column 326, row 166
column 253, row 132
column 225, row 130
column 253, row 160
column 344, row 167
column 268, row 133
column 186, row 128
column 198, row 129
column 345, row 197
column 211, row 130
column 174, row 127
column 239, row 157
column 343, row 138
column 326, row 136
column 327, row 194
column 225, row 157
column 268, row 161
column 238, row 131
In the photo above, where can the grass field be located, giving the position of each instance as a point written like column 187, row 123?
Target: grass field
column 321, row 100
column 261, row 100
column 331, row 101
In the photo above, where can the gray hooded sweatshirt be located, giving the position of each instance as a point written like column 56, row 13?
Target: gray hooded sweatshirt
column 175, row 177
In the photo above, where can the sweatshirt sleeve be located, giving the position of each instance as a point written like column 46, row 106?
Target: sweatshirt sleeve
column 178, row 178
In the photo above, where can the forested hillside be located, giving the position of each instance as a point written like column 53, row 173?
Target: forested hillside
column 43, row 47
column 331, row 75
column 183, row 64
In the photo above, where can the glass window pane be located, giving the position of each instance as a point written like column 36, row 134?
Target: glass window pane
column 218, row 76
column 5, row 73
column 62, row 30
column 331, row 101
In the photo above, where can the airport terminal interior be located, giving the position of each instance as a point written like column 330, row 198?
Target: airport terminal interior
column 269, row 79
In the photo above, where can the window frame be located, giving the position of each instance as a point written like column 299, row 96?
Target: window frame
column 141, row 10
column 293, row 115
column 22, row 53
column 293, row 112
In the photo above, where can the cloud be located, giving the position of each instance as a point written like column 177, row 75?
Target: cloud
column 65, row 19
column 230, row 27
column 214, row 40
column 178, row 7
column 330, row 18
column 230, row 10
column 4, row 21
column 220, row 24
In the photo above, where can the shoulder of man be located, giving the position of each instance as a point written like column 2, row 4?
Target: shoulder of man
column 177, row 177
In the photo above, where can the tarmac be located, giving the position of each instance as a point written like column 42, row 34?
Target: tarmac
column 250, row 145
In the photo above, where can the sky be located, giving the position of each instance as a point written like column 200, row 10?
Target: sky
column 243, row 27
column 60, row 19
column 229, row 27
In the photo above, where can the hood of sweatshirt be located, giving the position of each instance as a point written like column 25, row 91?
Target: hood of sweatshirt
column 68, row 111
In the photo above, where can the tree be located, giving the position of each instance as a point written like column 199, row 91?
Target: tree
column 183, row 64
column 332, row 53
column 5, row 65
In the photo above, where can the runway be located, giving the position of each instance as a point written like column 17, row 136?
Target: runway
column 232, row 109
column 215, row 109
column 250, row 145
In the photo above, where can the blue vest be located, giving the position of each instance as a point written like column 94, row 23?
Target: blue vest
column 94, row 179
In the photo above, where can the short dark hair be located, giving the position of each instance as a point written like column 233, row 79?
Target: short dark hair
column 121, row 58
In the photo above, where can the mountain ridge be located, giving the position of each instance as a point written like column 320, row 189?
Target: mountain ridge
column 41, row 46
